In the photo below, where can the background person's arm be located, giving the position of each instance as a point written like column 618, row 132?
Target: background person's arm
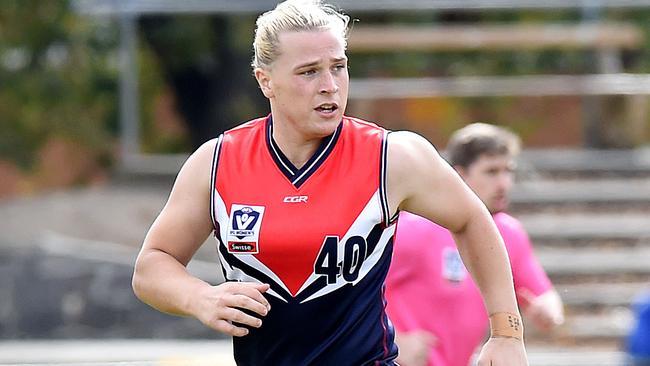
column 420, row 181
column 546, row 310
column 160, row 278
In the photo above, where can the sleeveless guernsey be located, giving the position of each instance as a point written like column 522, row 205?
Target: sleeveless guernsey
column 319, row 235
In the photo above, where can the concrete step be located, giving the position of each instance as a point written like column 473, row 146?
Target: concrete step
column 542, row 356
column 204, row 265
column 604, row 328
column 131, row 352
column 586, row 163
column 219, row 352
column 589, row 295
column 606, row 262
column 587, row 226
column 583, row 191
column 587, row 242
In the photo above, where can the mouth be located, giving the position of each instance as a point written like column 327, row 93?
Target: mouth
column 327, row 108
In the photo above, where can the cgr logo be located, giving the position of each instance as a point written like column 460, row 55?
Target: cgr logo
column 295, row 199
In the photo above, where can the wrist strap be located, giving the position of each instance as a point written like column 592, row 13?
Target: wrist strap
column 506, row 325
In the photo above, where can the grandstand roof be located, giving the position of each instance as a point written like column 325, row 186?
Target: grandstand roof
column 143, row 7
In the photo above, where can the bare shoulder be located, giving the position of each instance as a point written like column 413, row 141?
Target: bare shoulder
column 204, row 154
column 411, row 158
column 199, row 162
column 422, row 182
column 184, row 222
column 410, row 146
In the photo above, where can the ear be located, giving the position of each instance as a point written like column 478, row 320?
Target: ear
column 264, row 81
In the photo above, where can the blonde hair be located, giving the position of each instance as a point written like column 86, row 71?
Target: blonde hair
column 296, row 16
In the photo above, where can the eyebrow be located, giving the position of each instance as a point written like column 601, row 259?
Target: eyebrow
column 314, row 63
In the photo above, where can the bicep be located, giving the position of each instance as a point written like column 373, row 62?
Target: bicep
column 426, row 185
column 184, row 223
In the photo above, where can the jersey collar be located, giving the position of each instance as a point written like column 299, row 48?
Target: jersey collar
column 296, row 176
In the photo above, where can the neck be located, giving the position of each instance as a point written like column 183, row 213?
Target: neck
column 294, row 145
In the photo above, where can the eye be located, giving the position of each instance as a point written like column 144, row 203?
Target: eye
column 308, row 72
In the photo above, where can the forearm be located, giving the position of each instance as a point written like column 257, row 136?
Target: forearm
column 485, row 257
column 162, row 282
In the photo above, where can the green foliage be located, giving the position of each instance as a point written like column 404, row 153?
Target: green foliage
column 498, row 62
column 58, row 77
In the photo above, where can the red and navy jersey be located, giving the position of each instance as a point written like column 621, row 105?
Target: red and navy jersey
column 320, row 235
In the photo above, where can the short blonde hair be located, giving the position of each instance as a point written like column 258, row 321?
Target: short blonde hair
column 296, row 16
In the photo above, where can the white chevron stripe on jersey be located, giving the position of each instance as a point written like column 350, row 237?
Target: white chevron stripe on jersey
column 233, row 273
column 365, row 222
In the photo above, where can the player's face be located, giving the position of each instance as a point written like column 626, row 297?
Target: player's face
column 308, row 83
column 491, row 177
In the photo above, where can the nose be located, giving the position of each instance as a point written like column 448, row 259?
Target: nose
column 328, row 84
column 506, row 181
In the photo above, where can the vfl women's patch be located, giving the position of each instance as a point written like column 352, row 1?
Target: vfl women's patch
column 453, row 269
column 244, row 228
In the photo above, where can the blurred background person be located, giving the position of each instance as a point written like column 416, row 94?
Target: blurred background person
column 432, row 300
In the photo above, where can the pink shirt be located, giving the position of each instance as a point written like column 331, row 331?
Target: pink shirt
column 428, row 287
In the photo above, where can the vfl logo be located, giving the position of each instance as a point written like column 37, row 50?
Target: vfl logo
column 243, row 220
column 244, row 229
column 295, row 199
column 453, row 269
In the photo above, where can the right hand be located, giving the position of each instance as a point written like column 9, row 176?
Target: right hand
column 414, row 347
column 219, row 306
column 503, row 352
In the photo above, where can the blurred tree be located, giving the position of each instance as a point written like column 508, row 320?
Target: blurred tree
column 57, row 83
column 206, row 61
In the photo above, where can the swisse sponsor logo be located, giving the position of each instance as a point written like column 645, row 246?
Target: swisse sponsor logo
column 295, row 199
column 242, row 247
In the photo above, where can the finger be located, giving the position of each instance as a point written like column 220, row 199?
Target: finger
column 558, row 319
column 262, row 287
column 254, row 295
column 247, row 303
column 228, row 328
column 240, row 317
column 252, row 290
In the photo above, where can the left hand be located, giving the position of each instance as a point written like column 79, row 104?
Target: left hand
column 545, row 311
column 414, row 347
column 503, row 352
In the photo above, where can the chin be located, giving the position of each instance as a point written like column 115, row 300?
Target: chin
column 329, row 125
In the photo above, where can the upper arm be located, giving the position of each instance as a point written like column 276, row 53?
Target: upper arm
column 184, row 223
column 422, row 182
